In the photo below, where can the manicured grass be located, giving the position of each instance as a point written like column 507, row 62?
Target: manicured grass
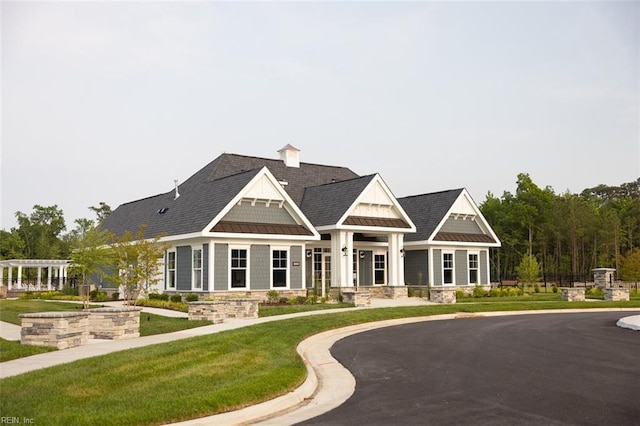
column 11, row 309
column 199, row 376
column 12, row 349
column 157, row 324
column 271, row 310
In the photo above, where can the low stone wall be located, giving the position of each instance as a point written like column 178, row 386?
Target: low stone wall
column 242, row 308
column 388, row 291
column 114, row 323
column 572, row 294
column 60, row 330
column 616, row 294
column 442, row 295
column 360, row 298
column 214, row 311
column 261, row 295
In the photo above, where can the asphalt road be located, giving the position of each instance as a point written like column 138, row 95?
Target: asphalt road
column 552, row 369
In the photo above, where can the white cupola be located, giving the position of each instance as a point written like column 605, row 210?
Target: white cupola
column 290, row 155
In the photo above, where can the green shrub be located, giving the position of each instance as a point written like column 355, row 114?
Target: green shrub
column 554, row 288
column 273, row 296
column 494, row 292
column 460, row 294
column 298, row 300
column 596, row 292
column 69, row 291
column 312, row 300
column 478, row 291
column 536, row 288
column 283, row 300
column 192, row 297
column 158, row 296
column 115, row 295
column 176, row 298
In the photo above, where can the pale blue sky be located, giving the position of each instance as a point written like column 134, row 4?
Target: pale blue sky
column 112, row 101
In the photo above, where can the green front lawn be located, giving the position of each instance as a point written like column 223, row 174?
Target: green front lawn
column 199, row 376
column 11, row 309
column 271, row 310
column 12, row 349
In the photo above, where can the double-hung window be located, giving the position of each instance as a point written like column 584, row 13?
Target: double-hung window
column 239, row 268
column 279, row 268
column 473, row 268
column 171, row 269
column 379, row 269
column 197, row 269
column 447, row 268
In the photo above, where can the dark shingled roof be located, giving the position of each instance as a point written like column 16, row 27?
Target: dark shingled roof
column 209, row 190
column 326, row 204
column 427, row 211
column 463, row 237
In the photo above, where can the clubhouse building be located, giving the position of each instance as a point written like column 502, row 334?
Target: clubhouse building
column 245, row 225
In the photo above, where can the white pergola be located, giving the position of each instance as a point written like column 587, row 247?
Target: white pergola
column 52, row 265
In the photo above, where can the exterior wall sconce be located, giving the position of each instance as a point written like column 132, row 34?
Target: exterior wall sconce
column 402, row 252
column 309, row 253
column 362, row 254
column 344, row 250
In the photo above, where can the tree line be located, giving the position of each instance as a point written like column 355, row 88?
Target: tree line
column 567, row 234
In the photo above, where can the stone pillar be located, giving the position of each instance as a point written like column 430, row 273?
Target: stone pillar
column 442, row 295
column 60, row 330
column 603, row 277
column 615, row 294
column 572, row 294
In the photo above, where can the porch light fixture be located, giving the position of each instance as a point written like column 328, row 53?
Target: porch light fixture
column 309, row 253
column 402, row 252
column 344, row 250
column 362, row 254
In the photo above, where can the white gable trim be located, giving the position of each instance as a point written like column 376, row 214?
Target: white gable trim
column 378, row 197
column 265, row 187
column 465, row 207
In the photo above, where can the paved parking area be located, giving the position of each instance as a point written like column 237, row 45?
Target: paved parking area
column 552, row 369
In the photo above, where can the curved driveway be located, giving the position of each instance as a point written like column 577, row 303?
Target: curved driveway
column 554, row 369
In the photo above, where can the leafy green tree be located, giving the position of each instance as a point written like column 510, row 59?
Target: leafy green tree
column 41, row 232
column 89, row 257
column 11, row 245
column 630, row 266
column 528, row 270
column 102, row 211
column 137, row 261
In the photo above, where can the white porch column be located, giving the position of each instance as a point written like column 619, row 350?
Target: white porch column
column 341, row 259
column 49, row 278
column 60, row 275
column 19, row 276
column 212, row 249
column 396, row 259
column 10, row 278
column 1, row 276
column 39, row 280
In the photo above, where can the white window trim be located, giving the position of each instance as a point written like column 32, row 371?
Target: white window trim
column 453, row 267
column 248, row 267
column 386, row 259
column 175, row 270
column 288, row 269
column 477, row 253
column 193, row 272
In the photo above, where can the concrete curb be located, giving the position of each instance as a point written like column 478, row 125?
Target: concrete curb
column 632, row 322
